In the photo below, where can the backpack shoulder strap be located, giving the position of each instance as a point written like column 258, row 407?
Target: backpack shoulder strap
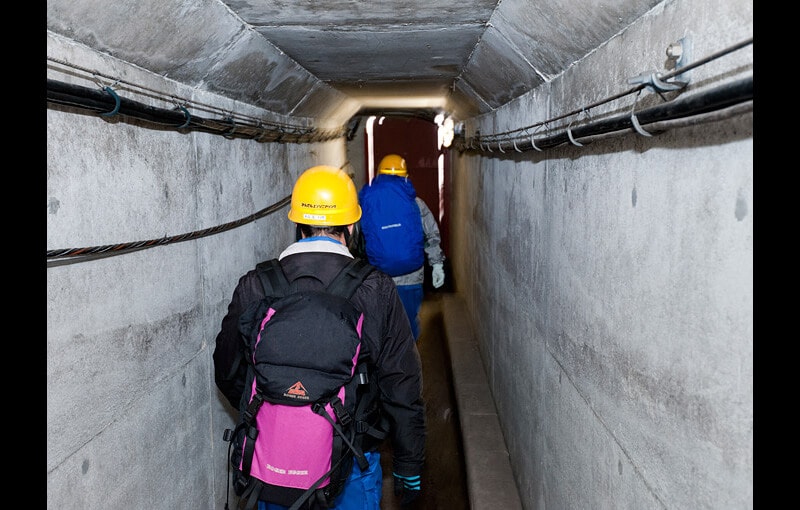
column 272, row 277
column 350, row 277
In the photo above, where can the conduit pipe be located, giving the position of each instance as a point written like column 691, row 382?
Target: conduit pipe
column 107, row 104
column 730, row 99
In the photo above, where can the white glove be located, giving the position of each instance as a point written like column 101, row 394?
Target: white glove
column 437, row 275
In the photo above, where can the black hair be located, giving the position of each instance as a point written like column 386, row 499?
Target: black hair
column 321, row 230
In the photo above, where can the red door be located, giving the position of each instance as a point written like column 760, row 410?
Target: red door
column 416, row 140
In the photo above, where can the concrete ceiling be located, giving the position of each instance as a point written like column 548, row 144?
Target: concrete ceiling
column 313, row 57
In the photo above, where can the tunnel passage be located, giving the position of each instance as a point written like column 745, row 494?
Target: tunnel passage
column 444, row 480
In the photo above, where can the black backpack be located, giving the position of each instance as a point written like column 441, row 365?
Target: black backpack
column 301, row 418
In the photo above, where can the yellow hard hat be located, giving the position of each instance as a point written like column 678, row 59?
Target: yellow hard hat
column 325, row 196
column 393, row 164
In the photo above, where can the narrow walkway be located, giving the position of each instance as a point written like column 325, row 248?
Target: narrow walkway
column 490, row 480
column 444, row 484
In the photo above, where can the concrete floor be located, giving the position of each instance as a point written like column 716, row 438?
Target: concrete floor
column 444, row 481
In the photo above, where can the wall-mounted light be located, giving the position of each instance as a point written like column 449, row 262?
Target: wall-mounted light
column 445, row 131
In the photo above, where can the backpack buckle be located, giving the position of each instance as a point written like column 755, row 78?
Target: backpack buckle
column 341, row 413
column 253, row 407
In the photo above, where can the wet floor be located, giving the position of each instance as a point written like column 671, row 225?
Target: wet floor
column 444, row 484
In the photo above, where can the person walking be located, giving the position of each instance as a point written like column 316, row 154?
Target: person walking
column 324, row 207
column 398, row 242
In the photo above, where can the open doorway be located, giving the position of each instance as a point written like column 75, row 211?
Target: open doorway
column 419, row 142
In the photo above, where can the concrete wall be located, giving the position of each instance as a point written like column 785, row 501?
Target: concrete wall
column 133, row 416
column 611, row 285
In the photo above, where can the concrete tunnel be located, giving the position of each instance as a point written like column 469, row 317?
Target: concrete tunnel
column 591, row 167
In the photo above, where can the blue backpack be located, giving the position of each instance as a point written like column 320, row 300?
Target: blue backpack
column 392, row 226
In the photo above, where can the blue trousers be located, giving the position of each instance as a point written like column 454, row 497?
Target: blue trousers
column 362, row 491
column 411, row 296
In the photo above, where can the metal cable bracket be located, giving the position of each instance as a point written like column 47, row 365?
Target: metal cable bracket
column 187, row 114
column 654, row 82
column 635, row 121
column 117, row 100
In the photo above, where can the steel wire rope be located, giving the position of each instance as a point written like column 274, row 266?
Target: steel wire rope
column 73, row 255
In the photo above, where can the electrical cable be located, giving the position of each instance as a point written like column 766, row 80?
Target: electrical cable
column 141, row 90
column 107, row 103
column 720, row 98
column 520, row 139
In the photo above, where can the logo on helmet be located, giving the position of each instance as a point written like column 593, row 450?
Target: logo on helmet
column 318, row 206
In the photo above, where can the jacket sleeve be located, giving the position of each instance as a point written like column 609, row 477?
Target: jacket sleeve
column 230, row 367
column 398, row 369
column 433, row 239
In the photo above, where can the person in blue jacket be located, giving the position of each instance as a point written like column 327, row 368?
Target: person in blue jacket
column 424, row 238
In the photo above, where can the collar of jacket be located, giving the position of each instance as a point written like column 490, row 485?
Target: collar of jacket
column 327, row 245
